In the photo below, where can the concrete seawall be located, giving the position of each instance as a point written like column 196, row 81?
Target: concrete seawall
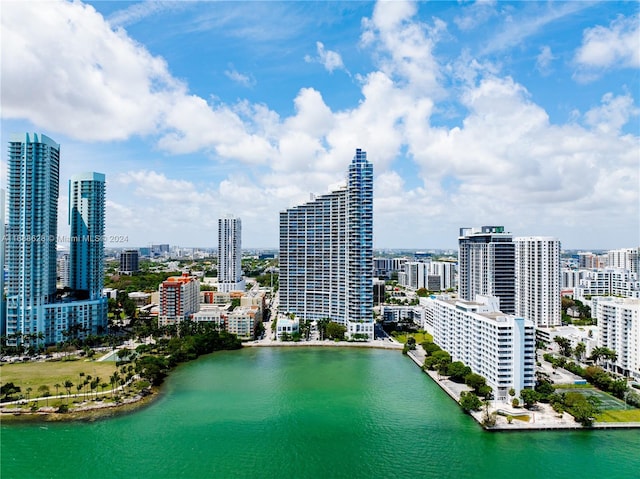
column 541, row 419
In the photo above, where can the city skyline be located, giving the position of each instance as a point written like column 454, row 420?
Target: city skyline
column 523, row 114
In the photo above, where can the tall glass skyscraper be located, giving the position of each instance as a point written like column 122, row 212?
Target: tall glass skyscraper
column 326, row 254
column 32, row 189
column 86, row 218
column 486, row 265
column 36, row 311
column 230, row 255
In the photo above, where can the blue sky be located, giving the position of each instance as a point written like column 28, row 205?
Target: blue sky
column 522, row 114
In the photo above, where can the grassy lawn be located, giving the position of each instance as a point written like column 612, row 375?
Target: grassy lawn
column 35, row 374
column 630, row 415
column 573, row 386
column 420, row 336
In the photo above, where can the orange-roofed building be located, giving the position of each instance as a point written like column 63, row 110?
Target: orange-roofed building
column 179, row 299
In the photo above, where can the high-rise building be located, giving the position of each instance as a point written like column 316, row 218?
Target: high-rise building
column 619, row 324
column 626, row 258
column 33, row 169
column 326, row 254
column 86, row 218
column 129, row 260
column 3, row 306
column 537, row 286
column 36, row 312
column 445, row 271
column 230, row 255
column 486, row 265
column 63, row 269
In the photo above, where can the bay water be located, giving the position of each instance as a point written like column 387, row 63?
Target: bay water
column 303, row 412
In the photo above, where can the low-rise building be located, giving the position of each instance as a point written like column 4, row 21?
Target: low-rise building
column 287, row 326
column 242, row 321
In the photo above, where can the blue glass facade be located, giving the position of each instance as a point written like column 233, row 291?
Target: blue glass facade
column 326, row 254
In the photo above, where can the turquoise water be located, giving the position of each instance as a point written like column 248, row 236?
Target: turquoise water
column 307, row 413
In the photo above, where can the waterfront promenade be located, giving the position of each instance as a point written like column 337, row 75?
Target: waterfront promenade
column 543, row 417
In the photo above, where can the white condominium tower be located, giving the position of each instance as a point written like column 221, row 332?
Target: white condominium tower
column 326, row 254
column 537, row 277
column 33, row 169
column 619, row 324
column 86, row 217
column 486, row 265
column 230, row 255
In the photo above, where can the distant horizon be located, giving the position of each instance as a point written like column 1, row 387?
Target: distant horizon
column 376, row 249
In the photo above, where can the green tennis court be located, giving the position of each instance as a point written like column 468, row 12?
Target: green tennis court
column 607, row 402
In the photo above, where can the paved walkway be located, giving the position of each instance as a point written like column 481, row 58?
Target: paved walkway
column 541, row 417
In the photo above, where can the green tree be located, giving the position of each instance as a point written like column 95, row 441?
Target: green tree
column 529, row 397
column 68, row 385
column 8, row 390
column 470, row 402
column 584, row 410
column 430, row 347
column 335, row 331
column 457, row 371
column 44, row 392
column 545, row 389
column 564, row 344
column 322, row 327
column 475, row 381
column 438, row 361
column 579, row 351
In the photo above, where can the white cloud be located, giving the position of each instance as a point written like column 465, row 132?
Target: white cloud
column 506, row 162
column 476, row 14
column 139, row 11
column 616, row 46
column 242, row 79
column 404, row 47
column 518, row 28
column 544, row 60
column 329, row 59
column 613, row 113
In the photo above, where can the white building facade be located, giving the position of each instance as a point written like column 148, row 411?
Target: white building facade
column 326, row 254
column 499, row 347
column 537, row 280
column 619, row 324
column 230, row 255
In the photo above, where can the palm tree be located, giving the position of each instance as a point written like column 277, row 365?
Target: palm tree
column 57, row 386
column 43, row 389
column 579, row 351
column 68, row 385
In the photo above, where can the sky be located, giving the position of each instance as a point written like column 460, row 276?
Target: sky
column 521, row 114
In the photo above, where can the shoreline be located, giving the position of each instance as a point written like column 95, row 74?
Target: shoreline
column 91, row 411
column 85, row 411
column 375, row 344
column 543, row 418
